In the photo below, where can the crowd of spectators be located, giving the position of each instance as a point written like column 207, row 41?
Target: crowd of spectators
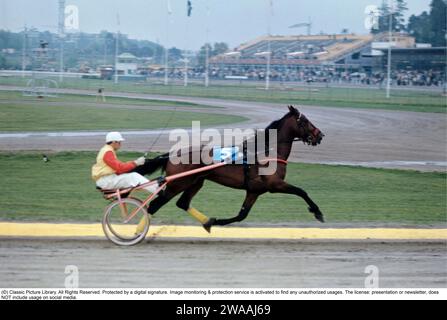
column 315, row 75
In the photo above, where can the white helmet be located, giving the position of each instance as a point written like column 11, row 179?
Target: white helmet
column 114, row 136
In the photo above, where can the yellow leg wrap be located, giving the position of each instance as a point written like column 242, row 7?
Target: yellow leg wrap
column 141, row 225
column 198, row 215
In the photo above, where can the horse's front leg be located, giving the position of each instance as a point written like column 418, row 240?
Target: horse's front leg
column 284, row 187
column 249, row 201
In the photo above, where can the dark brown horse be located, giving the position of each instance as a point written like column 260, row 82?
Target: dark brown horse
column 293, row 126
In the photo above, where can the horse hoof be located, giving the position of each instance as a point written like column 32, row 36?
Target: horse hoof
column 207, row 226
column 317, row 214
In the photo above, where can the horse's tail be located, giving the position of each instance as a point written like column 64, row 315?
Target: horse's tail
column 159, row 162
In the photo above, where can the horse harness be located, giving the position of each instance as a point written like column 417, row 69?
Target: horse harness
column 246, row 166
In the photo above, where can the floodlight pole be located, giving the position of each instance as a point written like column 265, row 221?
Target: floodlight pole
column 185, row 79
column 105, row 49
column 166, row 66
column 61, row 62
column 445, row 75
column 186, row 72
column 269, row 54
column 61, row 38
column 267, row 76
column 445, row 65
column 390, row 37
column 116, row 56
column 207, row 64
column 25, row 36
column 116, row 47
column 168, row 15
column 207, row 49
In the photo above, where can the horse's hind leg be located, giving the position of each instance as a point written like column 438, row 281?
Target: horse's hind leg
column 163, row 198
column 184, row 203
column 249, row 201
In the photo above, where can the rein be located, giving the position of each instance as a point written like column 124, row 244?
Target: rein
column 162, row 131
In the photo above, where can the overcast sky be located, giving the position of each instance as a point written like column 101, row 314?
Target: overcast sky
column 231, row 21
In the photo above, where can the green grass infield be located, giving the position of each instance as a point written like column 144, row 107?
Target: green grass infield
column 62, row 191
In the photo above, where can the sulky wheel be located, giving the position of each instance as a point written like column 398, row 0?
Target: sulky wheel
column 124, row 223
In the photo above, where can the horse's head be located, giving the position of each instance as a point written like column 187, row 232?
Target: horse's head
column 303, row 129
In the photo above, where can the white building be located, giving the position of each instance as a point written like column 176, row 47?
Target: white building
column 127, row 64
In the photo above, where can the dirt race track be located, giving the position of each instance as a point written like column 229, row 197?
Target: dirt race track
column 222, row 264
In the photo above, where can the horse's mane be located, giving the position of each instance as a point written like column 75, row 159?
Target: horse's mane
column 277, row 123
column 274, row 125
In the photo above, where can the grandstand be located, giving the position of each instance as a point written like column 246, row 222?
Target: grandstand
column 417, row 58
column 345, row 50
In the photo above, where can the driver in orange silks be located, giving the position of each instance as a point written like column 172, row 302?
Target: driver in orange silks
column 110, row 173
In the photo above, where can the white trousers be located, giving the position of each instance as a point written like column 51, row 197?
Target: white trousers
column 126, row 180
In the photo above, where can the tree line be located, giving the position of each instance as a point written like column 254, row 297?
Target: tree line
column 93, row 49
column 427, row 27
